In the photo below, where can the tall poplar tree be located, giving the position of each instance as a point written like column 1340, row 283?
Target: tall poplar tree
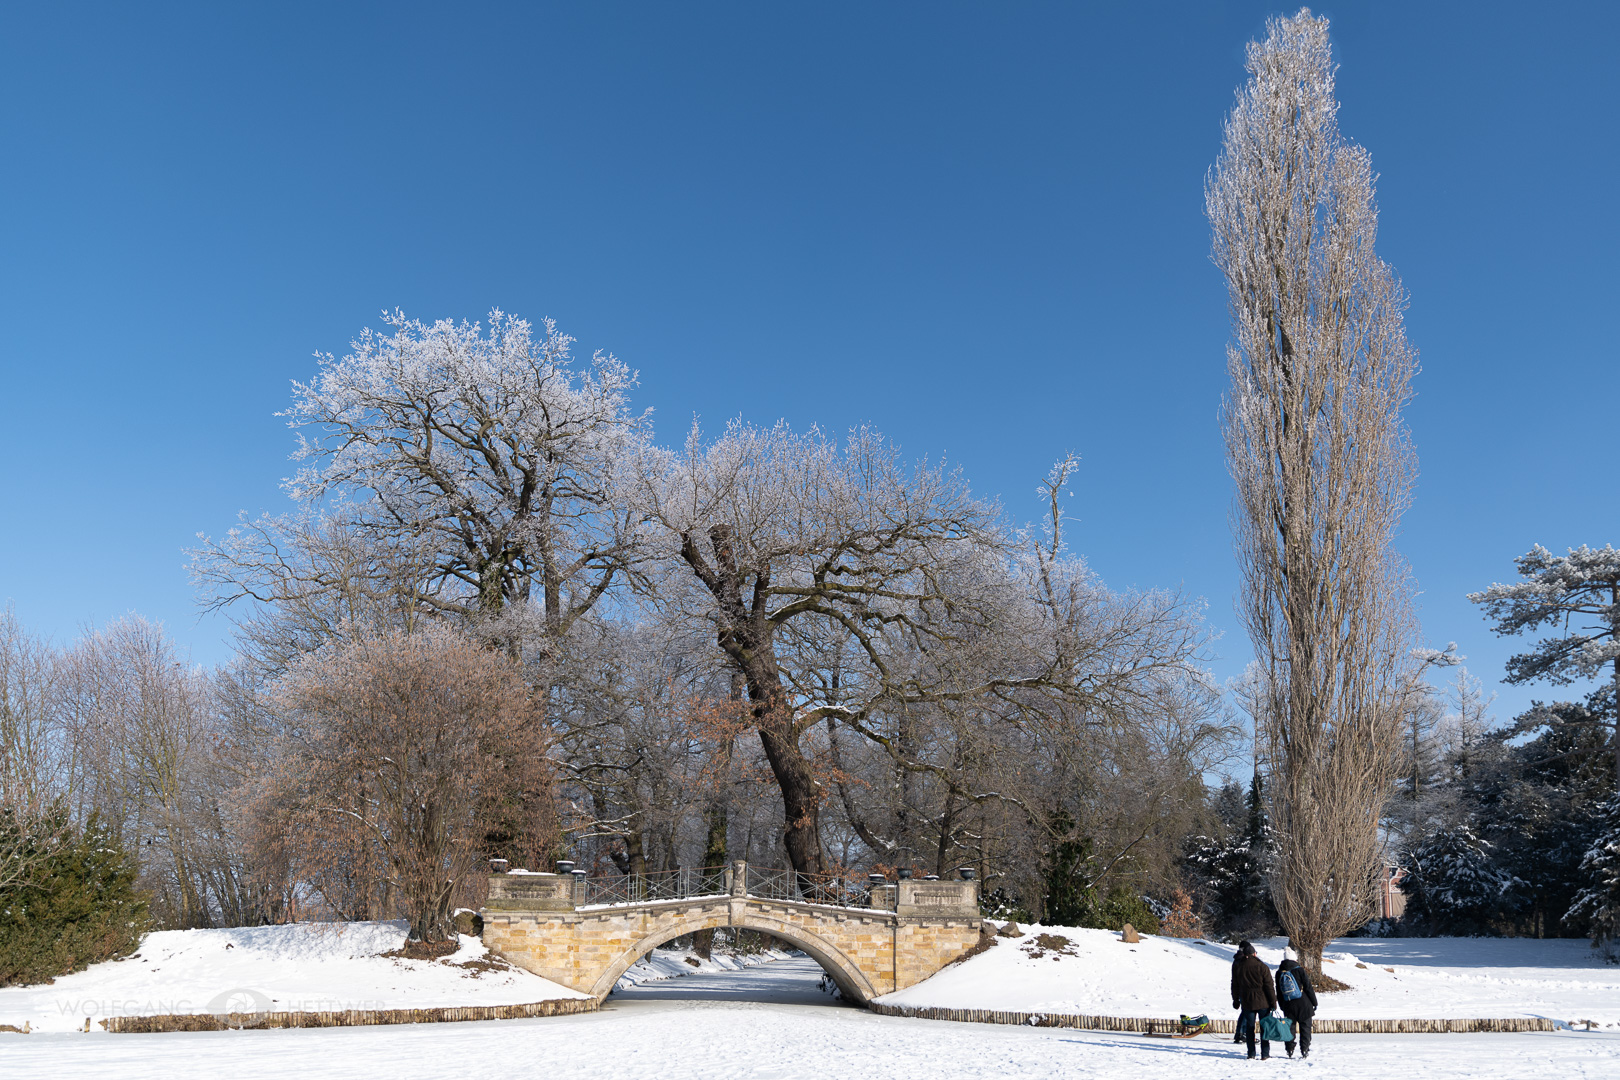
column 1320, row 370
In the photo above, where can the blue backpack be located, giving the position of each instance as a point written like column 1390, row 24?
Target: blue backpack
column 1290, row 986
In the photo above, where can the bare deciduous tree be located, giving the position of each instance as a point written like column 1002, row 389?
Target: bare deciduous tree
column 311, row 578
column 31, row 752
column 137, row 719
column 779, row 530
column 404, row 748
column 1320, row 370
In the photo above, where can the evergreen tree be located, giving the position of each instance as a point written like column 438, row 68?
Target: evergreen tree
column 1536, row 801
column 1457, row 886
column 1598, row 904
column 78, row 908
column 1072, row 899
column 1230, row 872
column 1067, row 896
column 1557, row 591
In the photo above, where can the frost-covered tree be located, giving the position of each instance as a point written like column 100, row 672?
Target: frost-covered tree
column 1320, row 369
column 1578, row 595
column 1530, row 789
column 476, row 465
column 777, row 530
column 862, row 596
column 1467, row 722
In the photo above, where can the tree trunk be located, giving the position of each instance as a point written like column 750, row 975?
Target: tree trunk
column 714, row 855
column 801, row 798
column 746, row 636
column 947, row 819
column 1309, row 951
column 635, row 853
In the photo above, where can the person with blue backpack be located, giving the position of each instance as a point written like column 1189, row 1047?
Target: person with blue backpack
column 1298, row 1000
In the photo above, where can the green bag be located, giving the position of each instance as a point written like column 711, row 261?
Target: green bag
column 1276, row 1029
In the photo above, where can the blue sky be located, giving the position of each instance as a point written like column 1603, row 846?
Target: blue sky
column 977, row 227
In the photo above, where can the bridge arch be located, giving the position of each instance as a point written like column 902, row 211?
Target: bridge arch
column 851, row 981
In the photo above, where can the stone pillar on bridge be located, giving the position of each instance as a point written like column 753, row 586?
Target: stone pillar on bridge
column 936, row 922
column 522, row 891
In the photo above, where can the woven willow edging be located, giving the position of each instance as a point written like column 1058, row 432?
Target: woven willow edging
column 1142, row 1024
column 343, row 1018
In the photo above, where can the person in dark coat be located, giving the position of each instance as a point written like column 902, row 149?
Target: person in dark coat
column 1301, row 1009
column 1243, row 949
column 1254, row 992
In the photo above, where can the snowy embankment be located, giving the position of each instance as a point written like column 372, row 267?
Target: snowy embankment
column 665, row 963
column 1093, row 972
column 304, row 967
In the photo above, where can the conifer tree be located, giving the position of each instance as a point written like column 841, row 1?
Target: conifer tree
column 1459, row 886
column 1599, row 903
column 1579, row 590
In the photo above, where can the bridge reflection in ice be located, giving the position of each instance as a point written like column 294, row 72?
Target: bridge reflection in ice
column 794, row 981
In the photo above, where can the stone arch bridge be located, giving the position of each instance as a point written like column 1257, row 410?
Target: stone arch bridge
column 871, row 941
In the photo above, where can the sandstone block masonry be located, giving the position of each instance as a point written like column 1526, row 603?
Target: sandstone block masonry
column 910, row 932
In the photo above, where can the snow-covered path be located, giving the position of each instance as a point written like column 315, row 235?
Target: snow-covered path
column 722, row 1026
column 780, row 982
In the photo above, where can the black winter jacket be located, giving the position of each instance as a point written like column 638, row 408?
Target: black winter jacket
column 1252, row 987
column 1303, row 1006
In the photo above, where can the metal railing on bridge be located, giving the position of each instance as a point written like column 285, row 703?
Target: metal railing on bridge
column 666, row 885
column 762, row 882
column 834, row 889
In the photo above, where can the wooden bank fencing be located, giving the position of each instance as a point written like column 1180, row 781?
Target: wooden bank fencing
column 1145, row 1025
column 565, row 1006
column 342, row 1017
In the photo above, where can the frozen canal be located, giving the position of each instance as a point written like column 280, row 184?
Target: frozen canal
column 769, row 1022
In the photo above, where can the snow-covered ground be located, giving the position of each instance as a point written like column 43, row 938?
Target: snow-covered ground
column 770, row 1022
column 306, row 967
column 1097, row 973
